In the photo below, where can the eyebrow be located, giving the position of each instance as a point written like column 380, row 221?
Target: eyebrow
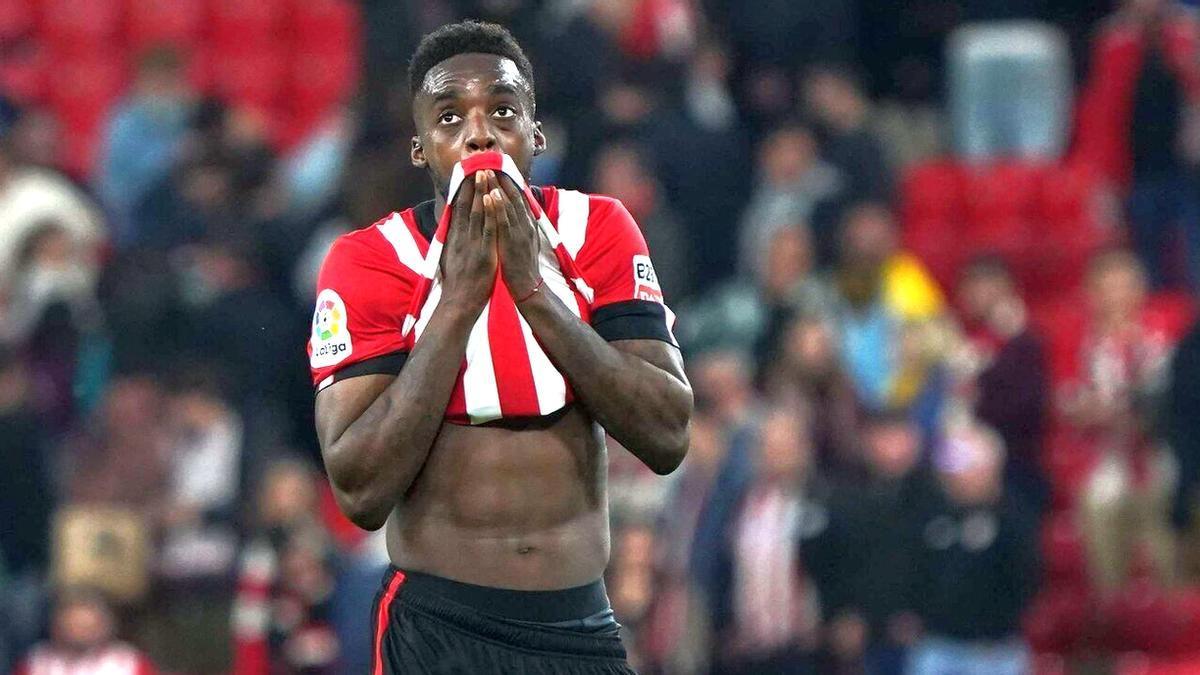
column 503, row 88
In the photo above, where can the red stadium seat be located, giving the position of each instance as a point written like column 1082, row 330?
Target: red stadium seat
column 932, row 192
column 253, row 79
column 23, row 76
column 178, row 22
column 1068, row 196
column 74, row 28
column 320, row 81
column 326, row 26
column 242, row 23
column 1003, row 192
column 17, row 18
column 81, row 94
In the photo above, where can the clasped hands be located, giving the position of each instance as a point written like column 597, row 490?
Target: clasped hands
column 491, row 228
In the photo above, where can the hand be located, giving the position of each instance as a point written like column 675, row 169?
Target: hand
column 469, row 259
column 518, row 237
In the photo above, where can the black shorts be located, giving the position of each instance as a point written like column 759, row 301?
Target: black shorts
column 426, row 624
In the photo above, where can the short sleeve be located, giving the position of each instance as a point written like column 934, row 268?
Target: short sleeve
column 628, row 303
column 362, row 298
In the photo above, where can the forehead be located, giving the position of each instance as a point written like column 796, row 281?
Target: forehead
column 471, row 72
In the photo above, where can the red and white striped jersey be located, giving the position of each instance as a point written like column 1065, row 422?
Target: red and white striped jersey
column 370, row 276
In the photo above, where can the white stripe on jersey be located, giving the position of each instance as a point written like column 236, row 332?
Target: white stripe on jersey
column 573, row 211
column 479, row 381
column 398, row 235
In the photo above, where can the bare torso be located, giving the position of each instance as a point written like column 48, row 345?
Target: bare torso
column 523, row 508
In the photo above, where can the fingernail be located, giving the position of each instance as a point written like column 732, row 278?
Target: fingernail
column 496, row 193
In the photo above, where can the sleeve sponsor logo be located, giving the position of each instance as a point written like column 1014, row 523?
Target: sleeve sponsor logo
column 645, row 280
column 330, row 342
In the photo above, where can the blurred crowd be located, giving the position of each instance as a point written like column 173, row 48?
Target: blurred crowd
column 965, row 452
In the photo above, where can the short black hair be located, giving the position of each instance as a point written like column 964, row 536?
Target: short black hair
column 466, row 37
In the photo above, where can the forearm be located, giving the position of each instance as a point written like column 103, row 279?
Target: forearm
column 644, row 407
column 376, row 458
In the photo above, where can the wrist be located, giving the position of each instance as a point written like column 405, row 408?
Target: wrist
column 456, row 313
column 527, row 291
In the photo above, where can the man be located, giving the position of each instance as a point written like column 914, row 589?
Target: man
column 496, row 511
column 1006, row 372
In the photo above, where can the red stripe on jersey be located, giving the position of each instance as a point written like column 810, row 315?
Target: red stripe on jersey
column 456, row 409
column 510, row 358
column 384, row 616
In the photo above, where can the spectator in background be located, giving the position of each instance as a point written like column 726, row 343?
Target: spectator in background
column 83, row 641
column 1117, row 404
column 621, row 171
column 834, row 96
column 680, row 621
column 51, row 311
column 631, row 583
column 1139, row 123
column 887, row 300
column 197, row 197
column 1182, row 411
column 865, row 562
column 793, row 185
column 807, row 364
column 197, row 520
column 769, row 618
column 144, row 135
column 281, row 621
column 28, row 500
column 978, row 566
column 750, row 315
column 118, row 455
column 37, row 138
column 1007, row 370
column 710, row 182
column 31, row 196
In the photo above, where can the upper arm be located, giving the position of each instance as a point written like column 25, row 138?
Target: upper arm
column 628, row 302
column 661, row 355
column 340, row 404
column 362, row 298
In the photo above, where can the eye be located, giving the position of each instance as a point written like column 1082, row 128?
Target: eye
column 505, row 112
column 449, row 117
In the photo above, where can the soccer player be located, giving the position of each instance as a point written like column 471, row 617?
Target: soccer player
column 476, row 432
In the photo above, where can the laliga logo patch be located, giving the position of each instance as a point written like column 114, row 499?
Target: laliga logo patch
column 330, row 342
column 645, row 281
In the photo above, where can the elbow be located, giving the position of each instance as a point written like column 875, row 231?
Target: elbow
column 672, row 450
column 363, row 510
column 676, row 439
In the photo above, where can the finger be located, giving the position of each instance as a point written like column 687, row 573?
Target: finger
column 466, row 193
column 492, row 183
column 476, row 217
column 512, row 189
column 502, row 207
column 489, row 215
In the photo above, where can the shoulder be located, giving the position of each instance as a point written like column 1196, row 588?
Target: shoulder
column 379, row 246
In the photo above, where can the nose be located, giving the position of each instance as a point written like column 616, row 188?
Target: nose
column 480, row 137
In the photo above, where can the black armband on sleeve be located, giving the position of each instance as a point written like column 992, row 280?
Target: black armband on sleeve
column 385, row 364
column 632, row 320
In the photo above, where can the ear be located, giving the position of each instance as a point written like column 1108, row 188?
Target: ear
column 417, row 154
column 539, row 139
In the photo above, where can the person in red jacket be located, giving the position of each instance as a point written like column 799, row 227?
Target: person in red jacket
column 83, row 641
column 1138, row 125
